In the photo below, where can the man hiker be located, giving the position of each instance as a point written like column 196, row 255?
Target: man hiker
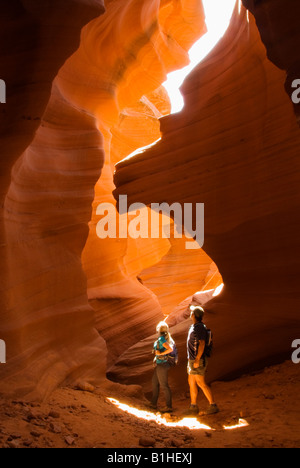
column 197, row 362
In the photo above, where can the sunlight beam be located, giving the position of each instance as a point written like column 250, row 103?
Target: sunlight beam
column 189, row 423
column 218, row 15
column 241, row 423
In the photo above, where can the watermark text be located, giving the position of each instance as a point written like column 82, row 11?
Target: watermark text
column 151, row 457
column 2, row 92
column 141, row 222
column 2, row 352
column 296, row 93
column 296, row 353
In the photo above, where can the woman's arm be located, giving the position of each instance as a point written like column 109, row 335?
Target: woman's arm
column 168, row 348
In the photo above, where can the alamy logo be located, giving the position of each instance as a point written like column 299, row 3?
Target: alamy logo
column 2, row 352
column 296, row 94
column 296, row 354
column 141, row 222
column 2, row 92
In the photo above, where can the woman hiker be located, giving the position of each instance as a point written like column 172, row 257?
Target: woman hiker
column 162, row 347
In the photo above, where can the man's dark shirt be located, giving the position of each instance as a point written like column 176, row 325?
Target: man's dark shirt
column 197, row 332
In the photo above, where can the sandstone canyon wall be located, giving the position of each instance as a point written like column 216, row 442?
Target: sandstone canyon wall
column 40, row 314
column 55, row 148
column 278, row 24
column 80, row 100
column 235, row 147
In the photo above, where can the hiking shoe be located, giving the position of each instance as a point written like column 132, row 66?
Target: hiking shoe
column 152, row 407
column 192, row 411
column 213, row 409
column 167, row 410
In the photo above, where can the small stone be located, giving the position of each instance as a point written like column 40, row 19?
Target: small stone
column 35, row 434
column 69, row 440
column 39, row 424
column 55, row 428
column 54, row 415
column 13, row 444
column 188, row 438
column 34, row 414
column 86, row 387
column 177, row 443
column 27, row 442
column 48, row 442
column 147, row 442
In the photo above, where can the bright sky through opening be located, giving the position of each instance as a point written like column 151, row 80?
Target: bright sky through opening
column 218, row 15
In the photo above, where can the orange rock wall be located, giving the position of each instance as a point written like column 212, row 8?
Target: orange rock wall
column 46, row 191
column 279, row 31
column 146, row 40
column 234, row 147
column 53, row 160
column 66, row 296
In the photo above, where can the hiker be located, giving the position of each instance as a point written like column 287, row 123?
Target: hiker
column 162, row 347
column 198, row 361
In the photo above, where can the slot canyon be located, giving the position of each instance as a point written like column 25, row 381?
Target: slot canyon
column 87, row 119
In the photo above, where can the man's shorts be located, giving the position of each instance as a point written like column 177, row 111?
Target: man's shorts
column 201, row 370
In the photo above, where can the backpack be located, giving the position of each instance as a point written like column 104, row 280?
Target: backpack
column 173, row 356
column 208, row 350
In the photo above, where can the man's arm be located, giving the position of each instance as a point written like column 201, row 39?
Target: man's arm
column 199, row 354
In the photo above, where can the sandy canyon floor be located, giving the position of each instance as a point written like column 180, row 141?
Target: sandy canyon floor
column 268, row 401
